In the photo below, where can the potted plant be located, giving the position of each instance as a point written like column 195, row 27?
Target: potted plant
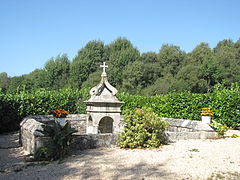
column 207, row 114
column 59, row 114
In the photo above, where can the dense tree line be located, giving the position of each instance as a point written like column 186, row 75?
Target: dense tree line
column 150, row 73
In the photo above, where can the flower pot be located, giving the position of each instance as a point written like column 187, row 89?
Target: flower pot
column 206, row 119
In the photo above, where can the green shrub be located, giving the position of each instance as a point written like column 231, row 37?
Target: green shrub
column 14, row 107
column 226, row 105
column 143, row 129
column 220, row 129
column 9, row 119
column 60, row 140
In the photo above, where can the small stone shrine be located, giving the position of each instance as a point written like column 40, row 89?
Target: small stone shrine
column 103, row 108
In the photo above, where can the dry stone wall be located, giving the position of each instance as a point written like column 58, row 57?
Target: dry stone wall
column 181, row 129
column 32, row 139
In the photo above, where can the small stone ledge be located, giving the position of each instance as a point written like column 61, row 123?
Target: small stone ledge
column 172, row 136
column 92, row 141
column 181, row 125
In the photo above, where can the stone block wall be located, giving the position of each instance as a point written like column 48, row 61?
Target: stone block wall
column 181, row 129
column 91, row 141
column 31, row 139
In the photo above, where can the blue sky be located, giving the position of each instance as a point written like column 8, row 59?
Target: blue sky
column 33, row 31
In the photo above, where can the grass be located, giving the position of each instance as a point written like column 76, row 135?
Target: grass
column 194, row 150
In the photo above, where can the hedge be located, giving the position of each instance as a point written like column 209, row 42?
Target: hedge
column 224, row 102
column 14, row 107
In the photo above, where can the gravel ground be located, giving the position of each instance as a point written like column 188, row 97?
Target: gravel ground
column 185, row 159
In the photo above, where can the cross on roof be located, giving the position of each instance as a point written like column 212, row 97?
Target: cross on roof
column 104, row 66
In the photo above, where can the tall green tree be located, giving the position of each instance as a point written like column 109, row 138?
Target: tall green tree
column 188, row 79
column 86, row 62
column 4, row 81
column 35, row 79
column 170, row 58
column 227, row 54
column 119, row 54
column 57, row 72
column 15, row 84
column 138, row 75
column 149, row 57
column 200, row 70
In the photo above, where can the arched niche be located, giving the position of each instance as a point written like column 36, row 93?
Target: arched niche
column 105, row 125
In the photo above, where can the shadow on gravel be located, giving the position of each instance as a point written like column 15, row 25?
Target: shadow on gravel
column 11, row 154
column 99, row 164
column 88, row 164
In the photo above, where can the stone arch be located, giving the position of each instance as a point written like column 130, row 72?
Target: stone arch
column 105, row 125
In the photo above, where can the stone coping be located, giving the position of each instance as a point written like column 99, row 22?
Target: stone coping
column 193, row 125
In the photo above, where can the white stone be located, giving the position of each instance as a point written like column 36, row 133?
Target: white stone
column 206, row 119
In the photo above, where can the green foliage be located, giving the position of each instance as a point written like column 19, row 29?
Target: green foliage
column 220, row 129
column 143, row 129
column 59, row 143
column 138, row 75
column 4, row 82
column 194, row 150
column 86, row 62
column 170, row 58
column 118, row 54
column 57, row 72
column 14, row 107
column 9, row 119
column 15, row 84
column 149, row 73
column 235, row 136
column 225, row 102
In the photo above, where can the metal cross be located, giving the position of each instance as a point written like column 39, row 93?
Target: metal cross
column 104, row 66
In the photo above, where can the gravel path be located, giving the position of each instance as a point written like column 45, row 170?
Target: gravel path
column 186, row 159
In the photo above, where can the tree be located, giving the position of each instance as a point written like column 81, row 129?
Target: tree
column 149, row 57
column 188, row 79
column 38, row 76
column 93, row 80
column 57, row 72
column 138, row 75
column 228, row 55
column 199, row 66
column 119, row 54
column 86, row 62
column 4, row 81
column 170, row 58
column 15, row 84
column 211, row 72
column 200, row 53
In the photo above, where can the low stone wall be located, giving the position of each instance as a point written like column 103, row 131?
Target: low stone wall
column 181, row 129
column 31, row 139
column 92, row 141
